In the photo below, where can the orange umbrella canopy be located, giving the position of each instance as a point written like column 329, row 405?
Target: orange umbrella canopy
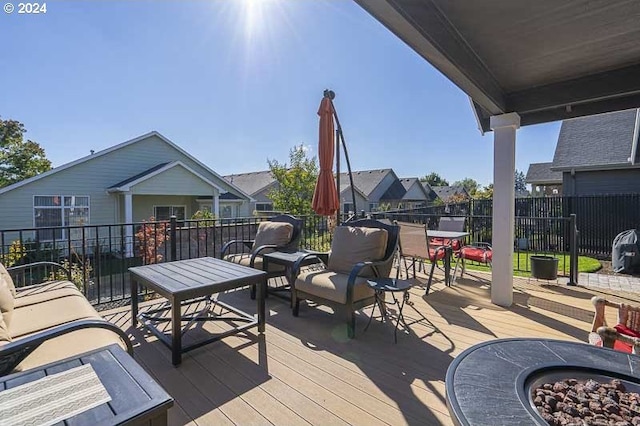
column 325, row 196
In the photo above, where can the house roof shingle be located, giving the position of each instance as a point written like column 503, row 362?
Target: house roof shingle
column 366, row 180
column 541, row 173
column 598, row 141
column 444, row 192
column 138, row 176
column 253, row 182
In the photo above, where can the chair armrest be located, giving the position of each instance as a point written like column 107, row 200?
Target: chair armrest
column 36, row 264
column 478, row 244
column 227, row 246
column 258, row 252
column 13, row 353
column 295, row 269
column 609, row 335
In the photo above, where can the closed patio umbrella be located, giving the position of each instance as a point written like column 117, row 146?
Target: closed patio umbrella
column 325, row 197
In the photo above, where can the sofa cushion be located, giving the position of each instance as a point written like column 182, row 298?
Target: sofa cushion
column 5, row 274
column 351, row 245
column 273, row 233
column 36, row 317
column 69, row 345
column 244, row 259
column 43, row 292
column 5, row 337
column 332, row 286
column 6, row 301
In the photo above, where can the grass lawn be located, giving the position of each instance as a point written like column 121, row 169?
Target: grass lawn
column 522, row 264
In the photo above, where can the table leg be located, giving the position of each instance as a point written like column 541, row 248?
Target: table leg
column 400, row 316
column 134, row 302
column 176, row 332
column 447, row 266
column 373, row 310
column 262, row 289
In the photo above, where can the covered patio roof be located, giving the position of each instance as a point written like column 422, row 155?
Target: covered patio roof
column 523, row 62
column 544, row 60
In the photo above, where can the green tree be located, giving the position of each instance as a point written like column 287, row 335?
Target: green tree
column 469, row 184
column 485, row 192
column 521, row 183
column 295, row 182
column 434, row 179
column 19, row 159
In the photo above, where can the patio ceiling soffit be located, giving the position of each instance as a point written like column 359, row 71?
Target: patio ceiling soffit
column 553, row 90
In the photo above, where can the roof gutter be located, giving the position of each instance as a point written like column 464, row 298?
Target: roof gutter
column 634, row 141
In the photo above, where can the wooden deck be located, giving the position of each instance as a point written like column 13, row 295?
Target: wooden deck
column 305, row 371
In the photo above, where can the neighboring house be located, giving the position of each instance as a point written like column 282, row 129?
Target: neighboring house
column 257, row 185
column 416, row 194
column 381, row 189
column 130, row 182
column 599, row 154
column 543, row 180
column 446, row 193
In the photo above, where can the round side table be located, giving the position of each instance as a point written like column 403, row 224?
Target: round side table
column 393, row 286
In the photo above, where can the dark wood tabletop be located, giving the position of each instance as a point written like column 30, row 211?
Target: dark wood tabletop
column 136, row 399
column 195, row 277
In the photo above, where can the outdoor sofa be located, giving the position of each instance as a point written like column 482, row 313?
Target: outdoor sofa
column 43, row 323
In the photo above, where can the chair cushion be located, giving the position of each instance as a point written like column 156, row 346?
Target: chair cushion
column 50, row 313
column 244, row 259
column 332, row 286
column 477, row 254
column 273, row 233
column 623, row 329
column 351, row 245
column 69, row 345
column 437, row 242
column 435, row 255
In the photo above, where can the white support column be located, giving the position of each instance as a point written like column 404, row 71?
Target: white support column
column 504, row 167
column 215, row 209
column 128, row 219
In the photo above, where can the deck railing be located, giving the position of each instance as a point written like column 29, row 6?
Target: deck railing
column 99, row 256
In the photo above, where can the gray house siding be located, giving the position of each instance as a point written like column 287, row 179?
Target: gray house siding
column 92, row 178
column 382, row 187
column 346, row 197
column 601, row 182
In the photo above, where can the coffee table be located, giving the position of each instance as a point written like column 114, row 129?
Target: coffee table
column 193, row 281
column 136, row 399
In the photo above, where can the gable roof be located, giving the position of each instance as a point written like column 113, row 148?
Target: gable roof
column 126, row 184
column 444, row 192
column 407, row 183
column 395, row 191
column 115, row 148
column 345, row 186
column 366, row 180
column 252, row 182
column 604, row 141
column 541, row 173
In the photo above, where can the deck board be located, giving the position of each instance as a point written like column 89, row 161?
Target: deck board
column 305, row 371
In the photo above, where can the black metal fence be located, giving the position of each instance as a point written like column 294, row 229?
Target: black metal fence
column 98, row 256
column 554, row 236
column 599, row 218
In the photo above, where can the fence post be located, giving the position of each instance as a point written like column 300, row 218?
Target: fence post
column 573, row 250
column 172, row 236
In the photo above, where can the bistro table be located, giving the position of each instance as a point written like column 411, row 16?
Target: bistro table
column 192, row 281
column 451, row 236
column 288, row 259
column 390, row 285
column 136, row 399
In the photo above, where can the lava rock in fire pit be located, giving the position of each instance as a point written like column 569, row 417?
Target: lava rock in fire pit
column 571, row 402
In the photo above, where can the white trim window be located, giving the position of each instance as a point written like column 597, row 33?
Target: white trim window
column 229, row 211
column 373, row 207
column 162, row 213
column 59, row 210
column 264, row 207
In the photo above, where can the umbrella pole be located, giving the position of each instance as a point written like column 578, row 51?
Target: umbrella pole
column 340, row 136
column 338, row 213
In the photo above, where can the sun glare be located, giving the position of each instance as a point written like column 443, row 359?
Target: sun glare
column 255, row 16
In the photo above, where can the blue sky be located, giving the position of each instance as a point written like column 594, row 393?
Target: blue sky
column 235, row 82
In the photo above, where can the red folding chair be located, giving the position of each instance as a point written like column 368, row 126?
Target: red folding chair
column 477, row 252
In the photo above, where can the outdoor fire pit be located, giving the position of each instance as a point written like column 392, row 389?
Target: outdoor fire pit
column 497, row 383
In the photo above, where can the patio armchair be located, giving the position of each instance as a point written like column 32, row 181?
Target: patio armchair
column 48, row 322
column 419, row 248
column 279, row 233
column 360, row 250
column 625, row 335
